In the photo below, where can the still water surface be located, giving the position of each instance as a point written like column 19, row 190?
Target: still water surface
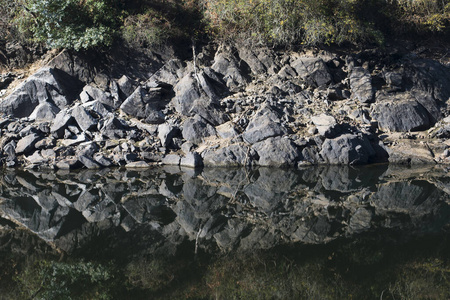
column 376, row 232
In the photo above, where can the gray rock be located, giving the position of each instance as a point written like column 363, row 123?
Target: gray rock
column 60, row 124
column 83, row 118
column 360, row 220
column 347, row 149
column 26, row 144
column 171, row 159
column 361, row 84
column 226, row 130
column 400, row 112
column 313, row 70
column 69, row 164
column 226, row 64
column 113, row 127
column 137, row 165
column 103, row 160
column 209, row 110
column 192, row 159
column 230, row 156
column 126, row 86
column 166, row 133
column 277, row 152
column 326, row 125
column 45, row 85
column 264, row 124
column 196, row 129
column 99, row 95
column 45, row 111
column 88, row 162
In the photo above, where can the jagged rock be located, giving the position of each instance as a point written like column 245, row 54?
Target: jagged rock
column 113, row 127
column 360, row 221
column 361, row 84
column 347, row 149
column 170, row 73
column 277, row 152
column 126, row 87
column 75, row 140
column 83, row 118
column 428, row 76
column 326, row 125
column 171, row 159
column 60, row 124
column 88, row 162
column 196, row 129
column 145, row 104
column 101, row 96
column 313, row 70
column 166, row 133
column 209, row 110
column 46, row 84
column 233, row 72
column 229, row 156
column 137, row 165
column 226, row 130
column 264, row 124
column 45, row 111
column 69, row 164
column 192, row 159
column 400, row 112
column 36, row 158
column 102, row 160
column 26, row 144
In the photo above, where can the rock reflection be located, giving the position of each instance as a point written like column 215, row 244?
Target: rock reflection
column 229, row 209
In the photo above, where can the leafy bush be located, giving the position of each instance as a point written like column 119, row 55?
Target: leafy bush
column 70, row 23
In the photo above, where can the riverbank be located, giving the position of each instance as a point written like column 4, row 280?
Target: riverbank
column 227, row 105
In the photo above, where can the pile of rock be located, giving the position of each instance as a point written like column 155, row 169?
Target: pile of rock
column 240, row 106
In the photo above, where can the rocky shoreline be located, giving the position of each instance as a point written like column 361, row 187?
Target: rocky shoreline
column 229, row 106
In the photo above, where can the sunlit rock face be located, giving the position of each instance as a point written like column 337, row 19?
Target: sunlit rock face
column 227, row 209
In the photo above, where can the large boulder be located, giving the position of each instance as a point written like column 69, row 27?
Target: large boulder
column 264, row 124
column 145, row 103
column 361, row 84
column 400, row 112
column 196, row 129
column 347, row 149
column 313, row 70
column 230, row 156
column 277, row 152
column 234, row 74
column 46, row 85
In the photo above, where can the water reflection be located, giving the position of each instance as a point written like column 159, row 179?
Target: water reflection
column 148, row 222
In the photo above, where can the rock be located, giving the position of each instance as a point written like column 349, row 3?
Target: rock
column 186, row 92
column 313, row 70
column 45, row 111
column 360, row 220
column 26, row 144
column 325, row 124
column 230, row 156
column 102, row 160
column 400, row 112
column 113, row 127
column 83, row 118
column 209, row 110
column 69, row 164
column 196, row 129
column 428, row 76
column 233, row 72
column 99, row 95
column 226, row 130
column 145, row 104
column 361, row 84
column 192, row 159
column 137, row 165
column 75, row 140
column 171, row 159
column 126, row 87
column 166, row 133
column 60, row 124
column 264, row 124
column 46, row 85
column 347, row 149
column 88, row 162
column 277, row 152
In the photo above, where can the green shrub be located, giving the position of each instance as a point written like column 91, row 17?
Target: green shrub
column 70, row 23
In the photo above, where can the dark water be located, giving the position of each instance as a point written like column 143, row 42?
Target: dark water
column 374, row 232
